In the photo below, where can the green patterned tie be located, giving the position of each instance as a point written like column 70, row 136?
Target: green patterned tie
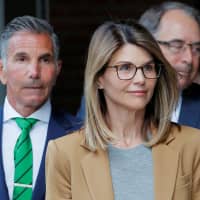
column 23, row 158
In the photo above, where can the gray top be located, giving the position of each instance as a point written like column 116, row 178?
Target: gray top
column 132, row 173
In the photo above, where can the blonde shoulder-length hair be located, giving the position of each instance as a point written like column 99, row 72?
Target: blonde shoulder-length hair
column 106, row 40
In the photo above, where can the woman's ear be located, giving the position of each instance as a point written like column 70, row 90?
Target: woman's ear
column 100, row 83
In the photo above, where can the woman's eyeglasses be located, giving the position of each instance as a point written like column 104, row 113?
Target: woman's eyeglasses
column 126, row 71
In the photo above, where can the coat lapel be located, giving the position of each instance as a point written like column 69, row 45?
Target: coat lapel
column 97, row 175
column 165, row 171
column 99, row 180
column 96, row 171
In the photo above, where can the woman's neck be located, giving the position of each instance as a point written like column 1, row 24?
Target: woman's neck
column 128, row 127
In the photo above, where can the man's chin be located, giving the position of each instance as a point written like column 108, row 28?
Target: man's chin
column 184, row 83
column 35, row 102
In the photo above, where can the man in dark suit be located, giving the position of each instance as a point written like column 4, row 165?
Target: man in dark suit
column 29, row 68
column 176, row 27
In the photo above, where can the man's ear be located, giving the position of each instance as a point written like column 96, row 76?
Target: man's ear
column 59, row 66
column 3, row 78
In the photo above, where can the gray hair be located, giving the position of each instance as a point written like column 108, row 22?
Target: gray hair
column 29, row 24
column 151, row 18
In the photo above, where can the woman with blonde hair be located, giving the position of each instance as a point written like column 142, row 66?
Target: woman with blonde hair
column 128, row 148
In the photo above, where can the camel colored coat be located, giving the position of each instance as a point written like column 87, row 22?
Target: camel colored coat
column 73, row 171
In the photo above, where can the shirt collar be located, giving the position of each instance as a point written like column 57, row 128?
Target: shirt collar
column 42, row 114
column 176, row 112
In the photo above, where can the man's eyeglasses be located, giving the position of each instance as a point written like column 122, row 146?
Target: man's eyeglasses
column 126, row 71
column 179, row 46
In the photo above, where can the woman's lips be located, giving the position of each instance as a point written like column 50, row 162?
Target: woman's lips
column 138, row 92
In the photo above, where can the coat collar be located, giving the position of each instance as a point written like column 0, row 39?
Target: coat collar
column 98, row 176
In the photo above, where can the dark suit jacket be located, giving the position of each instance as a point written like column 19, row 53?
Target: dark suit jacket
column 190, row 109
column 59, row 125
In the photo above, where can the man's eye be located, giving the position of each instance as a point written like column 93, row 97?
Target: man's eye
column 21, row 59
column 46, row 60
column 196, row 48
column 124, row 67
column 177, row 45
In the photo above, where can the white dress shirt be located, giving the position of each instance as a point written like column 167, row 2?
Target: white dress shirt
column 176, row 112
column 10, row 133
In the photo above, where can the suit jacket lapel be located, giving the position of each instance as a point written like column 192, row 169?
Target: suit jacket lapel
column 54, row 130
column 97, row 175
column 165, row 171
column 3, row 187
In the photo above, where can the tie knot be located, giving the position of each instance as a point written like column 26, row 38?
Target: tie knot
column 25, row 123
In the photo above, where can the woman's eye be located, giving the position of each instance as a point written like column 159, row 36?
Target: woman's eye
column 125, row 67
column 149, row 67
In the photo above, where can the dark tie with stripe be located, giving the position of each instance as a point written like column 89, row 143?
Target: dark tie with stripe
column 23, row 158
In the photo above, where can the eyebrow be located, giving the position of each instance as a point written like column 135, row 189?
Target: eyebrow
column 46, row 55
column 127, row 62
column 20, row 54
column 24, row 54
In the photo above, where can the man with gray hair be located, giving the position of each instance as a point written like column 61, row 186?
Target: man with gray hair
column 176, row 27
column 29, row 67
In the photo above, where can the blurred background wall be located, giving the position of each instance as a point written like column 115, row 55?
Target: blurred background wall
column 74, row 21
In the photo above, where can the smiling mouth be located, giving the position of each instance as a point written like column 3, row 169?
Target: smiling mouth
column 139, row 92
